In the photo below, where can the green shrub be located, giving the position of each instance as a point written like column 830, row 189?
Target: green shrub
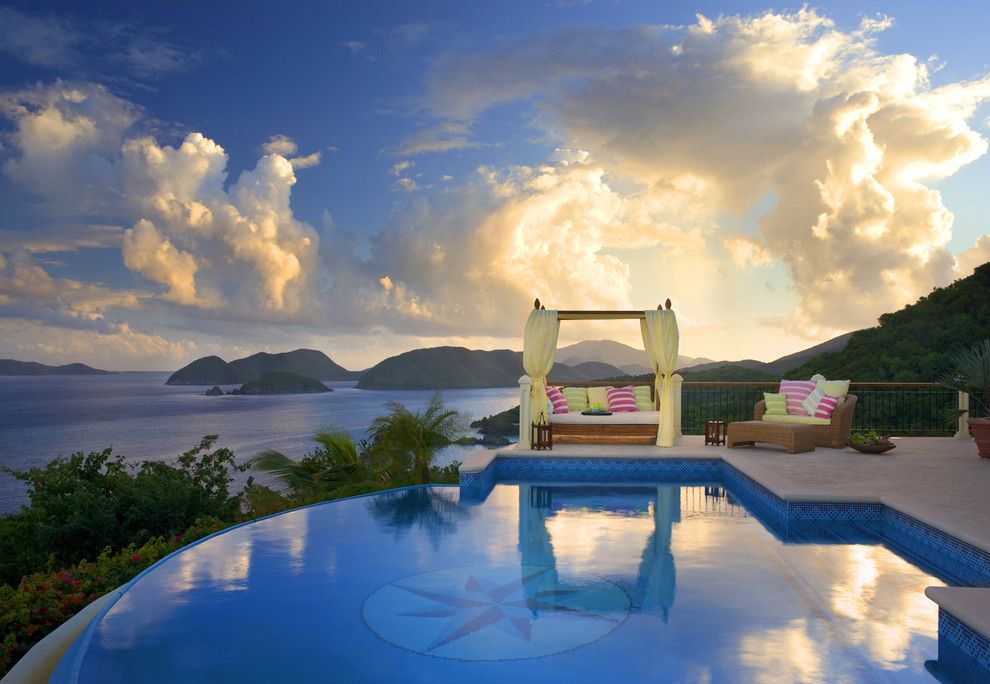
column 84, row 503
column 44, row 600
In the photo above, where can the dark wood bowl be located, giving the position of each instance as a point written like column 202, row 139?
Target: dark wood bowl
column 873, row 448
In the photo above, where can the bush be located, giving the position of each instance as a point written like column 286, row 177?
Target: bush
column 44, row 600
column 82, row 504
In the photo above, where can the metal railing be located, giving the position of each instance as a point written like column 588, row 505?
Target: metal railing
column 894, row 408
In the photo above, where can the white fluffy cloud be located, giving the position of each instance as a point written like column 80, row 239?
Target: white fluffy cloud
column 846, row 138
column 238, row 247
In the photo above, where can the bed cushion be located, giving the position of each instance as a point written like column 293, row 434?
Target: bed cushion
column 621, row 399
column 795, row 392
column 800, row 420
column 597, row 397
column 644, row 402
column 557, row 400
column 577, row 398
column 630, row 418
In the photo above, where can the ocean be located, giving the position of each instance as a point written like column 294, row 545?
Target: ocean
column 42, row 417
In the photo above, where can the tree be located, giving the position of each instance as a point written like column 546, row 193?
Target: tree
column 334, row 463
column 416, row 436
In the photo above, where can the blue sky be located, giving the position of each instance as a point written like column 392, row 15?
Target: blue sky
column 444, row 162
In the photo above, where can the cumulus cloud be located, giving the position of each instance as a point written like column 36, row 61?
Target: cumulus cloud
column 285, row 146
column 847, row 138
column 240, row 247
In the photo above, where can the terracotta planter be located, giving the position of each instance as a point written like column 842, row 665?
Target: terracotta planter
column 980, row 427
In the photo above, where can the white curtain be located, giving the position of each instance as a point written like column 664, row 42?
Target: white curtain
column 660, row 337
column 539, row 344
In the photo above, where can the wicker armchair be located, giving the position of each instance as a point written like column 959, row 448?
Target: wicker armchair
column 835, row 435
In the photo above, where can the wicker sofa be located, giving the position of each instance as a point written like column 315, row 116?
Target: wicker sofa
column 834, row 435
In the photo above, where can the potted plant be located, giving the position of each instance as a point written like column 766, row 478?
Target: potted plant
column 870, row 442
column 971, row 374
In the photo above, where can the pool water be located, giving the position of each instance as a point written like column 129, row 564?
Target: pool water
column 572, row 583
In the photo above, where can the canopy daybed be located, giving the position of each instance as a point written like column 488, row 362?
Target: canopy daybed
column 660, row 339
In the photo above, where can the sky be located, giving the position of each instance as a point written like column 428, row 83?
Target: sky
column 364, row 178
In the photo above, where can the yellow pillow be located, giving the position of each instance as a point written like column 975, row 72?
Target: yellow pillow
column 597, row 398
column 837, row 388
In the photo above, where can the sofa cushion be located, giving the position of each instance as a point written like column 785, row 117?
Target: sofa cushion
column 776, row 404
column 837, row 388
column 800, row 420
column 597, row 398
column 810, row 402
column 644, row 402
column 577, row 398
column 621, row 399
column 557, row 401
column 826, row 406
column 795, row 392
column 631, row 418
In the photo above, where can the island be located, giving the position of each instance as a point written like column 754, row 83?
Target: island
column 212, row 370
column 282, row 383
column 12, row 367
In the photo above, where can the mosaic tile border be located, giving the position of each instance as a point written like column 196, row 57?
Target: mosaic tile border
column 962, row 648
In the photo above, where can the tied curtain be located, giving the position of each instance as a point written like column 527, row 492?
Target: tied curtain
column 539, row 344
column 660, row 337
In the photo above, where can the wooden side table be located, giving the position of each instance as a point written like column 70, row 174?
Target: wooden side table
column 715, row 432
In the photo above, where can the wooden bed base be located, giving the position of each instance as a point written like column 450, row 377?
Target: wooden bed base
column 601, row 433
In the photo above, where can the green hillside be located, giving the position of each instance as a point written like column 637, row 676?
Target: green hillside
column 915, row 343
column 12, row 367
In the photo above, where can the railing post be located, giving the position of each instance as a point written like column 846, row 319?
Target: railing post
column 678, row 381
column 962, row 427
column 525, row 419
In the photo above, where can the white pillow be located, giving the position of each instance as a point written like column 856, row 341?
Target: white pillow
column 810, row 403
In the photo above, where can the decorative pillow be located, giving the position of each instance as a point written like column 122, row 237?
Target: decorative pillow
column 643, row 400
column 810, row 403
column 621, row 399
column 558, row 404
column 826, row 406
column 796, row 391
column 577, row 398
column 837, row 388
column 597, row 398
column 776, row 404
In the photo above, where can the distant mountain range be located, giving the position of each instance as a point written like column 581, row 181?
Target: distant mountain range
column 11, row 367
column 212, row 370
column 458, row 368
column 630, row 360
column 913, row 344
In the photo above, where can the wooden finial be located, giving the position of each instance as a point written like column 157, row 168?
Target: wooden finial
column 659, row 307
column 536, row 304
column 542, row 308
column 667, row 303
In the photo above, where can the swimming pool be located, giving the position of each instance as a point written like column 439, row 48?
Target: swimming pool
column 551, row 582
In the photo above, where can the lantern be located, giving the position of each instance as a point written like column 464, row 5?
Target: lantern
column 715, row 432
column 542, row 437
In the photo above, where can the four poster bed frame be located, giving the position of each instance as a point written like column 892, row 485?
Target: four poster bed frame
column 619, row 428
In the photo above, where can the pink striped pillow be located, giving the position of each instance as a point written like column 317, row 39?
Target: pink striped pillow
column 556, row 398
column 796, row 391
column 826, row 406
column 621, row 399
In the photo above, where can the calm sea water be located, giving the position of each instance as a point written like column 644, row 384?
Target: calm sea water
column 142, row 418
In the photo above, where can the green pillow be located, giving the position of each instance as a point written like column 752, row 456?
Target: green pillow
column 643, row 400
column 597, row 398
column 837, row 388
column 577, row 398
column 776, row 404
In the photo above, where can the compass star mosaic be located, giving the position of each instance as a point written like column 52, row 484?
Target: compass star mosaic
column 495, row 613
